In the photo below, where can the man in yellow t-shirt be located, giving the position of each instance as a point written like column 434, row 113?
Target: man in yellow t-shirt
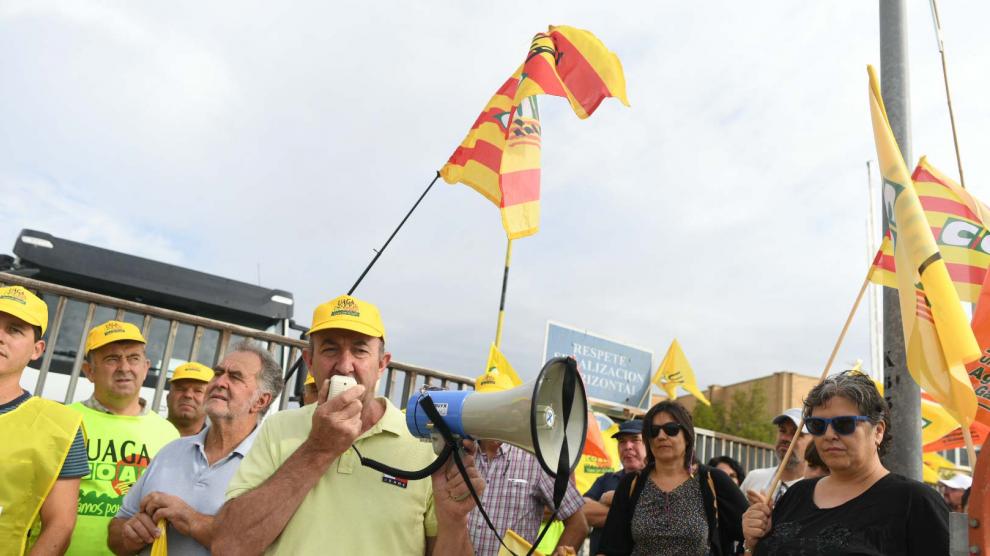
column 301, row 488
column 123, row 434
column 42, row 449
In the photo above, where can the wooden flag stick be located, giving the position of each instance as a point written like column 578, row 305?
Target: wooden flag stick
column 948, row 96
column 970, row 449
column 828, row 366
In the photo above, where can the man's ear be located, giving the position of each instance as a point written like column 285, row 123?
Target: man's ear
column 87, row 370
column 261, row 404
column 39, row 348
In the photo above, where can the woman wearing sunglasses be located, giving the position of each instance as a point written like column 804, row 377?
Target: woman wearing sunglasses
column 663, row 509
column 861, row 508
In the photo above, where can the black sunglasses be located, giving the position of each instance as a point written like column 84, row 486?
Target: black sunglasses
column 844, row 425
column 670, row 429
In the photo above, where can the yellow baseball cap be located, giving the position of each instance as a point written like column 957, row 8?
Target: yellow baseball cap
column 309, row 379
column 349, row 313
column 110, row 332
column 17, row 301
column 192, row 371
column 493, row 381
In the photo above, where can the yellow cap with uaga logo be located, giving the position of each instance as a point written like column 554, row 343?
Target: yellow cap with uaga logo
column 349, row 313
column 110, row 332
column 17, row 301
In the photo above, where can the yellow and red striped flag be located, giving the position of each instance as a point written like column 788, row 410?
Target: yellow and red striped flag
column 500, row 157
column 957, row 222
column 937, row 338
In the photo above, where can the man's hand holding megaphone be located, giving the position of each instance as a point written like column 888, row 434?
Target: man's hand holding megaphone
column 451, row 495
column 337, row 420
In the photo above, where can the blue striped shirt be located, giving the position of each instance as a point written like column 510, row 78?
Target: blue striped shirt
column 76, row 465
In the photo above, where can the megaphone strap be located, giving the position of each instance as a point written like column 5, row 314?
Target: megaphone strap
column 451, row 448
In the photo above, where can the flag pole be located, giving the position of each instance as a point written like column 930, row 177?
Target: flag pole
column 970, row 449
column 945, row 78
column 378, row 252
column 828, row 366
column 501, row 303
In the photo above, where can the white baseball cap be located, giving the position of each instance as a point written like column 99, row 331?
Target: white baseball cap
column 794, row 414
column 958, row 481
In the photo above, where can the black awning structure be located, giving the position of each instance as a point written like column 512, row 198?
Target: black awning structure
column 98, row 270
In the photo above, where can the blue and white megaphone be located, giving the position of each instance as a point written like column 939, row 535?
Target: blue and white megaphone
column 531, row 416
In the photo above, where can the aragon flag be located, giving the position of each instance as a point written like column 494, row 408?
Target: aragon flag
column 675, row 371
column 500, row 157
column 956, row 219
column 937, row 337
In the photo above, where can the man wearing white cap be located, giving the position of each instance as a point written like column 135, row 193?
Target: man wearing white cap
column 42, row 451
column 186, row 398
column 953, row 489
column 301, row 489
column 760, row 479
column 122, row 433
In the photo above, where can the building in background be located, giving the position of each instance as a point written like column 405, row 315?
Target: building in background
column 783, row 390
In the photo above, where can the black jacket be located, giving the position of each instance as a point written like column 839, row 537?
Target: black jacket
column 723, row 501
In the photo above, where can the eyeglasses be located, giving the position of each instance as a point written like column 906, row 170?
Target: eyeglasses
column 670, row 429
column 844, row 425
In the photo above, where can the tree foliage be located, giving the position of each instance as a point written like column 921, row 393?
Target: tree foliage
column 747, row 417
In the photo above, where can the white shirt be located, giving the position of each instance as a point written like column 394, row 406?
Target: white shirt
column 760, row 479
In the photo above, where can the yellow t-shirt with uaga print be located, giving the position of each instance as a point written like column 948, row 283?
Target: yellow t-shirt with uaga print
column 119, row 448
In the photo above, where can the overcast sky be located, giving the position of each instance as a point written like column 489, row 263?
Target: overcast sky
column 727, row 207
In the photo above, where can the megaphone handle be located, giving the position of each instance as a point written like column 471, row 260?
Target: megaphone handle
column 563, row 461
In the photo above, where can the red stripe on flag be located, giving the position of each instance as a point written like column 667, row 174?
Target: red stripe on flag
column 938, row 204
column 920, row 174
column 539, row 70
column 508, row 88
column 483, row 153
column 965, row 273
column 520, row 187
column 578, row 75
column 886, row 263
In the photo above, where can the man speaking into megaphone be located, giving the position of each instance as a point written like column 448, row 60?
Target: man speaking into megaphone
column 301, row 489
column 517, row 490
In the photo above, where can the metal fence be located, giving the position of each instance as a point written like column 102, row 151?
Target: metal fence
column 749, row 453
column 174, row 338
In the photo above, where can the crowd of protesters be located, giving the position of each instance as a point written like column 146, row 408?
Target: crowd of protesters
column 110, row 476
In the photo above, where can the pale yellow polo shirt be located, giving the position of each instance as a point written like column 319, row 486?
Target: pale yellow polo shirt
column 353, row 509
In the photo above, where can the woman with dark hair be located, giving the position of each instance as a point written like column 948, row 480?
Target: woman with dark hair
column 730, row 467
column 663, row 509
column 861, row 508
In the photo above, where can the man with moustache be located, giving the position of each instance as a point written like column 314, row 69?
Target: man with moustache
column 122, row 433
column 598, row 499
column 760, row 479
column 187, row 397
column 185, row 483
column 301, row 489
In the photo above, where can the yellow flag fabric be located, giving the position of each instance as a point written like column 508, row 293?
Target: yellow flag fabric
column 516, row 545
column 675, row 371
column 498, row 362
column 500, row 157
column 160, row 546
column 937, row 336
column 957, row 222
column 935, row 420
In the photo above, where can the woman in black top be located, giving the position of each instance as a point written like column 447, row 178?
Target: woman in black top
column 664, row 510
column 861, row 508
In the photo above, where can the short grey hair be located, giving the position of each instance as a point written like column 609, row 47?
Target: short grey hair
column 860, row 390
column 270, row 378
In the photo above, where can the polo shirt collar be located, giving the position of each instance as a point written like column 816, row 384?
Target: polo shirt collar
column 199, row 439
column 392, row 421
